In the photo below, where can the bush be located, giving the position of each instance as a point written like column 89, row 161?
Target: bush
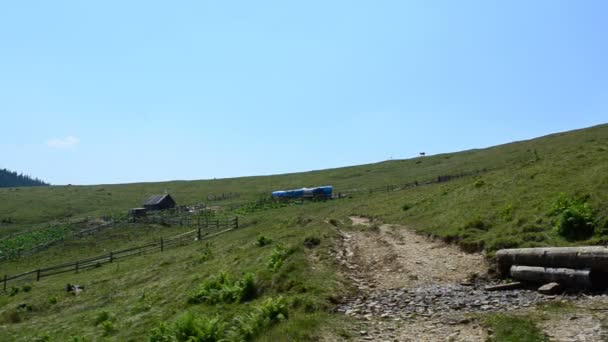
column 13, row 291
column 312, row 241
column 406, row 207
column 191, row 328
column 223, row 289
column 575, row 218
column 279, row 253
column 241, row 328
column 263, row 241
column 108, row 327
column 576, row 222
column 246, row 326
column 26, row 288
column 102, row 317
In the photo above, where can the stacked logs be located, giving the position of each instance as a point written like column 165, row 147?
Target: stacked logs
column 572, row 267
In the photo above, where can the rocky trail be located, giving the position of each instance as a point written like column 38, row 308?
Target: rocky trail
column 414, row 288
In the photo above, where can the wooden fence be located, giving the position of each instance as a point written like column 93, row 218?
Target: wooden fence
column 439, row 179
column 205, row 230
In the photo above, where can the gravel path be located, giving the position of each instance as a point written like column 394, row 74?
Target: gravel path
column 413, row 288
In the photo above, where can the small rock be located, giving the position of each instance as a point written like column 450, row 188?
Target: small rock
column 550, row 289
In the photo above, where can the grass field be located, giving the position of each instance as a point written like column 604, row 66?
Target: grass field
column 296, row 283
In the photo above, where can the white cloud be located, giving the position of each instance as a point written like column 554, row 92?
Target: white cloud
column 66, row 142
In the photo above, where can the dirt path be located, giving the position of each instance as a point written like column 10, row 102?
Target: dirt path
column 414, row 288
column 390, row 256
column 384, row 257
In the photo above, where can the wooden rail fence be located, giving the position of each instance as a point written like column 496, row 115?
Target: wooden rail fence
column 205, row 229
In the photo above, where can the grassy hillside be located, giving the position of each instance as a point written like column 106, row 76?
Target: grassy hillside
column 556, row 156
column 512, row 205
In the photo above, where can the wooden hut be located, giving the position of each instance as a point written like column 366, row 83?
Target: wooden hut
column 159, row 202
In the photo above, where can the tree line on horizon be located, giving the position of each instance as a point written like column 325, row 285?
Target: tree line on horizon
column 13, row 179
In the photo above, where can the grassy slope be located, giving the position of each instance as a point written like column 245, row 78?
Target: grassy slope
column 574, row 162
column 33, row 205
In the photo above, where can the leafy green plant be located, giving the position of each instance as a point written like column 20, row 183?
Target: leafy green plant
column 108, row 327
column 279, row 253
column 575, row 217
column 246, row 326
column 262, row 241
column 224, row 289
column 192, row 328
column 102, row 317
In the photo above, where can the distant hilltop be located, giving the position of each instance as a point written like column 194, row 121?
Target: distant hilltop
column 13, row 179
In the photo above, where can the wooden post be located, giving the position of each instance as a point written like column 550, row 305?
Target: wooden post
column 199, row 233
column 5, row 276
column 162, row 246
column 236, row 222
column 111, row 256
column 38, row 275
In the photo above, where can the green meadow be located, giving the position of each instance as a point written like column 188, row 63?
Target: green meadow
column 273, row 278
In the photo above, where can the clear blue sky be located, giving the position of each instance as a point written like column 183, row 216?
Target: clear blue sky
column 126, row 91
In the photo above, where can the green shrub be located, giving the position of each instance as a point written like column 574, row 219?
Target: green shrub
column 246, row 326
column 206, row 253
column 191, row 328
column 53, row 300
column 479, row 183
column 13, row 291
column 224, row 289
column 108, row 327
column 279, row 253
column 243, row 327
column 312, row 241
column 162, row 333
column 263, row 241
column 102, row 317
column 575, row 217
column 26, row 288
column 576, row 222
column 507, row 213
column 406, row 207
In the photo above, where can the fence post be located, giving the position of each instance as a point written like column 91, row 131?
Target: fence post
column 236, row 222
column 111, row 256
column 5, row 280
column 162, row 247
column 199, row 233
column 38, row 275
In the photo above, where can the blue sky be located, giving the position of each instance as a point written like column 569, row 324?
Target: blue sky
column 126, row 91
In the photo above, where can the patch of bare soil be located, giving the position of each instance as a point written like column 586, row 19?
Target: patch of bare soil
column 385, row 257
column 394, row 256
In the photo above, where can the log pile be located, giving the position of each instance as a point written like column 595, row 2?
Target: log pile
column 572, row 267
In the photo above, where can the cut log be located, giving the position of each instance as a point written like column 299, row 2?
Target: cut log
column 569, row 278
column 592, row 257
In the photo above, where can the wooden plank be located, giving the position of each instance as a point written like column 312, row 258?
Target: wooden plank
column 503, row 287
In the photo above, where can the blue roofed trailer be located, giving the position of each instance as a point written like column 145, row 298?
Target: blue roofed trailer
column 320, row 192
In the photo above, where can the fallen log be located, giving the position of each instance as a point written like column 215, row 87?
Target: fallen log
column 569, row 278
column 592, row 257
